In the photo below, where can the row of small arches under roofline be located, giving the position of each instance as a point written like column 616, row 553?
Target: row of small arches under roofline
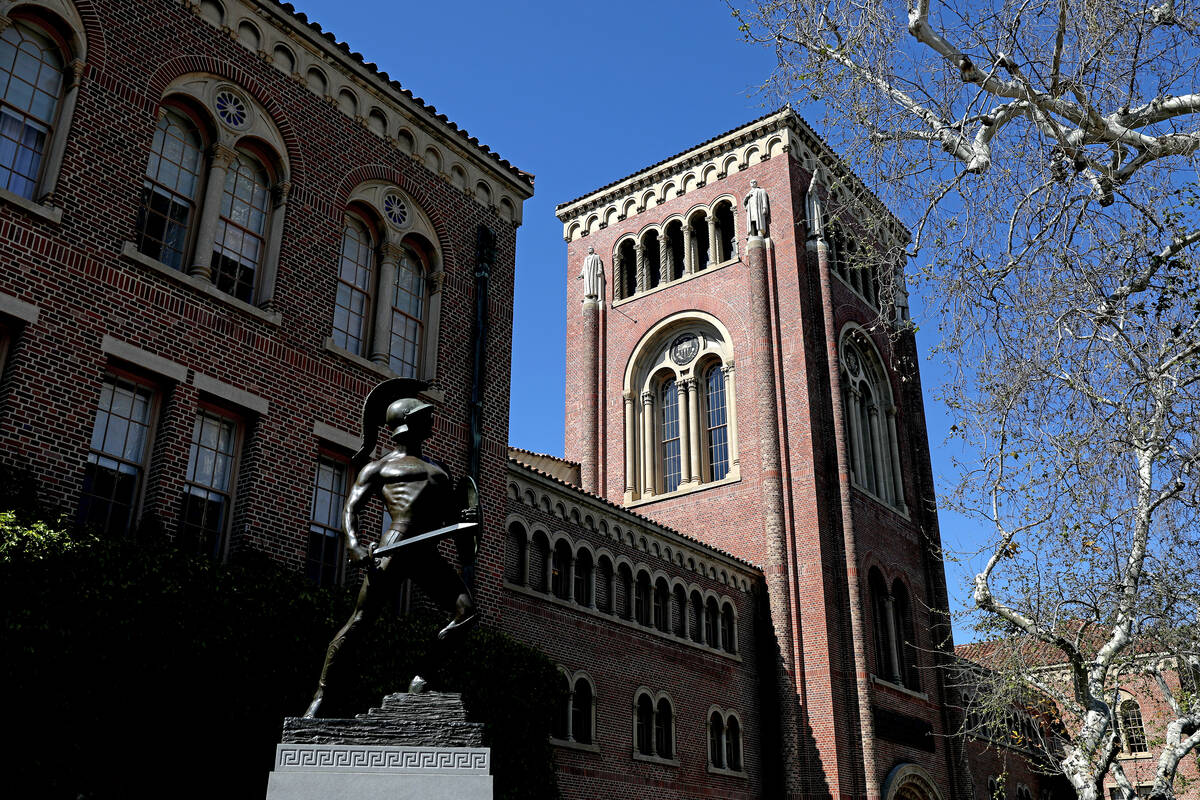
column 678, row 185
column 626, row 535
column 612, row 585
column 304, row 69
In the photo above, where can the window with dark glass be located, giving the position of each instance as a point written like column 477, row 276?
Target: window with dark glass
column 716, row 423
column 515, row 554
column 408, row 315
column 604, row 585
column 323, row 560
column 645, row 725
column 712, row 617
column 116, row 463
column 581, row 712
column 697, row 618
column 170, row 190
column 352, row 303
column 662, row 605
column 241, row 228
column 31, row 80
column 641, row 600
column 733, row 744
column 583, row 578
column 560, row 571
column 669, row 436
column 716, row 740
column 208, row 488
column 728, row 639
column 561, row 724
column 664, row 730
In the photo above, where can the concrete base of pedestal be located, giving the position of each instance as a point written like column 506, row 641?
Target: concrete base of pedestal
column 365, row 772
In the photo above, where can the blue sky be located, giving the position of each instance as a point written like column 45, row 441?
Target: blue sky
column 580, row 95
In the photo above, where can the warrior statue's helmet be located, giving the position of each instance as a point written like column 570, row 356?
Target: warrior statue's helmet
column 404, row 410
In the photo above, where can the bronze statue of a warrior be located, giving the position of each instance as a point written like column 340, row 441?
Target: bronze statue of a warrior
column 418, row 496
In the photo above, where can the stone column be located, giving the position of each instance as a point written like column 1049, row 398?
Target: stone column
column 686, row 453
column 206, row 231
column 591, row 396
column 731, row 415
column 894, row 452
column 53, row 166
column 618, row 275
column 664, row 257
column 630, row 446
column 270, row 260
column 855, row 425
column 648, row 444
column 713, row 245
column 381, row 341
column 640, row 250
column 689, row 248
column 694, row 430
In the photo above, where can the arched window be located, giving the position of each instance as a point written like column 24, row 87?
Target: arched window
column 539, row 562
column 902, row 608
column 716, row 740
column 712, row 616
column 645, row 725
column 604, row 585
column 664, row 730
column 662, row 605
column 1133, row 733
column 240, row 239
column 171, row 190
column 725, row 231
column 679, row 612
column 625, row 268
column 886, row 657
column 582, row 711
column 652, row 254
column 728, row 629
column 700, row 243
column 583, row 578
column 516, row 554
column 870, row 428
column 560, row 570
column 31, row 79
column 696, row 618
column 408, row 297
column 675, row 252
column 669, row 435
column 352, row 304
column 561, row 725
column 733, row 744
column 716, row 422
column 642, row 599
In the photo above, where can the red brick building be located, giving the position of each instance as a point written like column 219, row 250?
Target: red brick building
column 809, row 459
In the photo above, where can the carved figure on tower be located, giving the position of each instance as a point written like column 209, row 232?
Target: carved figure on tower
column 592, row 276
column 758, row 210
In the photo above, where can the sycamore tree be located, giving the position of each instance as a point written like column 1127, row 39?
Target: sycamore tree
column 1043, row 154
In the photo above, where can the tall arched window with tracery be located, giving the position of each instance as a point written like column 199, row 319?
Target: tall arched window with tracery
column 408, row 314
column 31, row 82
column 356, row 270
column 171, row 189
column 870, row 425
column 240, row 240
column 680, row 420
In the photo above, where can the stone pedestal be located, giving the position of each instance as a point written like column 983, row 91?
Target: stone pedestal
column 413, row 746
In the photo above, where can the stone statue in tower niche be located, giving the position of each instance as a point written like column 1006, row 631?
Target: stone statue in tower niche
column 417, row 493
column 592, row 276
column 758, row 210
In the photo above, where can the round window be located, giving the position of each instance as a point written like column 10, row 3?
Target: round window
column 394, row 208
column 231, row 109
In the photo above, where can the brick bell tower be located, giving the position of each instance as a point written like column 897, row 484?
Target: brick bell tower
column 749, row 378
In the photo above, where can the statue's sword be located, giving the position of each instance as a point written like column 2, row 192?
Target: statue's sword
column 440, row 533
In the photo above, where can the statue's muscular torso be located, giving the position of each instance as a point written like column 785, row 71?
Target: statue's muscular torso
column 414, row 491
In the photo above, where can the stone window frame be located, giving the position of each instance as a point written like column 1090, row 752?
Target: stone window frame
column 257, row 138
column 861, row 367
column 648, row 368
column 59, row 21
column 1127, row 707
column 241, row 424
column 656, row 699
column 414, row 238
column 574, row 679
column 654, row 244
column 329, row 456
column 521, row 534
column 723, row 768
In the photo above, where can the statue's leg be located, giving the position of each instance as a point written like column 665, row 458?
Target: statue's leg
column 444, row 586
column 371, row 598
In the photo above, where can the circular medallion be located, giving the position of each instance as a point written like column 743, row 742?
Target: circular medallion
column 231, row 109
column 684, row 348
column 851, row 359
column 394, row 209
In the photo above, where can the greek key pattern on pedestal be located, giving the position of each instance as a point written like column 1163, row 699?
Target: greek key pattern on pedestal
column 368, row 758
